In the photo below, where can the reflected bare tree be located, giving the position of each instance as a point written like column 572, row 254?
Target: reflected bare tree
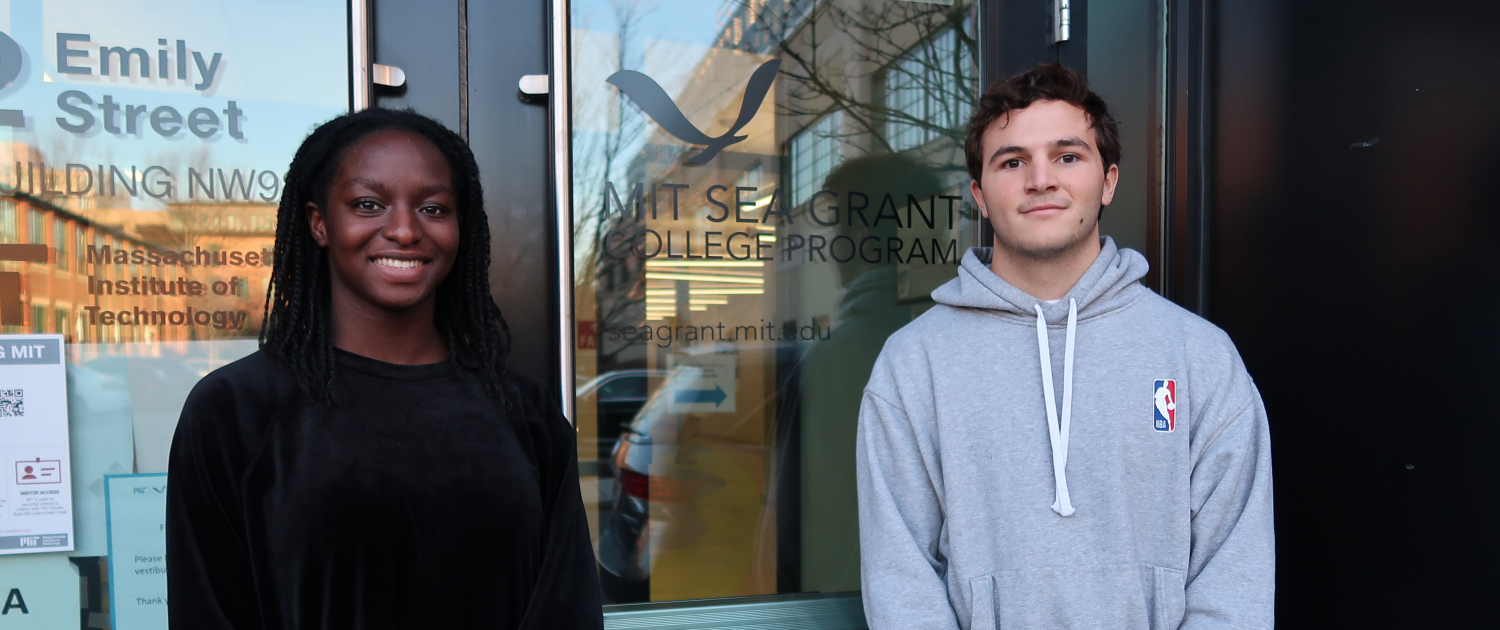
column 618, row 283
column 929, row 49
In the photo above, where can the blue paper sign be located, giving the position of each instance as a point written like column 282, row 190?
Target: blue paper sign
column 136, row 515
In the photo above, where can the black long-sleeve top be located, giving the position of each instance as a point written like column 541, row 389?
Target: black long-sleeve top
column 415, row 502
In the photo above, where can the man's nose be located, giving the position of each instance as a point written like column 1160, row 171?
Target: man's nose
column 1041, row 178
column 403, row 226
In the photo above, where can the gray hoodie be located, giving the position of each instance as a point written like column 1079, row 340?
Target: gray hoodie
column 1125, row 485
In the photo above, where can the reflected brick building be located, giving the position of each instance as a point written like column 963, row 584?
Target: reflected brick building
column 186, row 272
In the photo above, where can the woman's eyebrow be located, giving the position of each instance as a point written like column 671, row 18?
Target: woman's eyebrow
column 432, row 189
column 378, row 186
column 368, row 183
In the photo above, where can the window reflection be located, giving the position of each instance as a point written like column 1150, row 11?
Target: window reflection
column 729, row 313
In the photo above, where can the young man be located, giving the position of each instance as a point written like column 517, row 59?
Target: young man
column 1054, row 445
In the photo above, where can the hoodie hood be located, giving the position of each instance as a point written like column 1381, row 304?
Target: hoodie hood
column 1109, row 284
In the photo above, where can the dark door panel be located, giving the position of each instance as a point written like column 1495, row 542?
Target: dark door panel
column 508, row 40
column 503, row 41
column 1351, row 261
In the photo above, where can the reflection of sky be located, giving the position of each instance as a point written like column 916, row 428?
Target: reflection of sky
column 283, row 63
column 683, row 21
column 668, row 42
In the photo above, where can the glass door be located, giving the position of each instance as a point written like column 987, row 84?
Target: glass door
column 763, row 191
column 142, row 149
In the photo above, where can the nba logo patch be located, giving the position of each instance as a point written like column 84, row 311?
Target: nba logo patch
column 1166, row 405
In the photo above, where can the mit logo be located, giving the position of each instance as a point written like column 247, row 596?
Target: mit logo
column 11, row 311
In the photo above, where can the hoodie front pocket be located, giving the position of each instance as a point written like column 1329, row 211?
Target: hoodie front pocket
column 982, row 603
column 1122, row 596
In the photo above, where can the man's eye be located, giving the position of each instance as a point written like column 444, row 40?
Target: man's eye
column 1011, row 163
column 1069, row 158
column 367, row 204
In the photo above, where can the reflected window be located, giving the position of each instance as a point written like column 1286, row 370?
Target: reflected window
column 926, row 92
column 813, row 153
column 37, row 226
column 80, row 251
column 8, row 221
column 60, row 243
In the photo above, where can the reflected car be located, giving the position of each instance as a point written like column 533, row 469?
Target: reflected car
column 618, row 395
column 658, row 487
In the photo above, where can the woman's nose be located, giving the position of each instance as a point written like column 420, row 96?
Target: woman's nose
column 403, row 226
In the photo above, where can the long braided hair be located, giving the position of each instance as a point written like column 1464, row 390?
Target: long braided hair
column 297, row 316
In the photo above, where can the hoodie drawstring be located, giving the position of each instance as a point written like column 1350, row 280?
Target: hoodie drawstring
column 1057, row 432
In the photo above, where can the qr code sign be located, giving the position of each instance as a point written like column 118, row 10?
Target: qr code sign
column 12, row 403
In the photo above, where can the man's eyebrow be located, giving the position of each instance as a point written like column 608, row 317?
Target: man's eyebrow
column 1005, row 151
column 1070, row 141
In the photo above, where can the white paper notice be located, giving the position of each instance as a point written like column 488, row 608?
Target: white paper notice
column 36, row 493
column 137, row 551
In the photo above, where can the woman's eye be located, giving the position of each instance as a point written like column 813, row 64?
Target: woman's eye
column 368, row 205
column 434, row 210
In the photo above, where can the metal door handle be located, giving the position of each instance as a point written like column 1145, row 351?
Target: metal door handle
column 535, row 84
column 389, row 76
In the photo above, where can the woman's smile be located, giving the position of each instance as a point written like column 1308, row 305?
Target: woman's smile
column 410, row 268
column 399, row 263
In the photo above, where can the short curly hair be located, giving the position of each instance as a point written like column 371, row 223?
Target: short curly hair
column 1046, row 82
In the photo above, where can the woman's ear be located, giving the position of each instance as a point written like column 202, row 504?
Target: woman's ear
column 316, row 223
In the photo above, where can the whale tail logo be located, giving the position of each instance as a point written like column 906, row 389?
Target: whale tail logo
column 653, row 100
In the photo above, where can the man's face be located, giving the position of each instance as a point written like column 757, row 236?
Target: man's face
column 1043, row 183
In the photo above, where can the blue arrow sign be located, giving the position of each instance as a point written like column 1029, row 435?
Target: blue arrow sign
column 715, row 395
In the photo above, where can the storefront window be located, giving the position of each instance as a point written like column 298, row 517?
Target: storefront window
column 143, row 145
column 763, row 191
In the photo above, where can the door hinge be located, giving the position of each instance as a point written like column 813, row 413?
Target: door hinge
column 1062, row 20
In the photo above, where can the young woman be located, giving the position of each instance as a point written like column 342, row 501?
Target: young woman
column 374, row 465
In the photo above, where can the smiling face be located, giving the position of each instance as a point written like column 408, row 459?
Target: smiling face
column 390, row 227
column 1043, row 181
